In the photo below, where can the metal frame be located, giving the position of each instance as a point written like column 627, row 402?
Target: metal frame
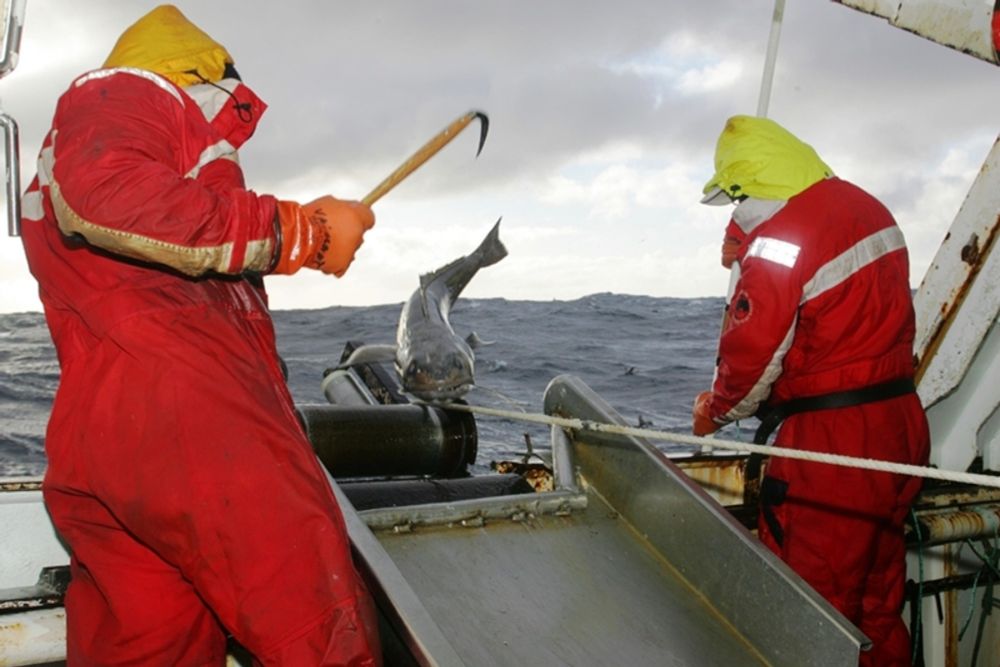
column 13, row 26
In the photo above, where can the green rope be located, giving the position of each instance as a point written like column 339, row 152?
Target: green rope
column 972, row 604
column 989, row 560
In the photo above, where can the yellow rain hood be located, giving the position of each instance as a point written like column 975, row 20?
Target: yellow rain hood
column 758, row 158
column 166, row 42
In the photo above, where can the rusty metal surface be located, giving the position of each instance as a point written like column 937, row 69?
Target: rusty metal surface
column 538, row 475
column 722, row 477
column 954, row 497
column 962, row 25
column 972, row 255
column 20, row 484
column 957, row 341
column 964, row 256
column 974, row 522
column 33, row 638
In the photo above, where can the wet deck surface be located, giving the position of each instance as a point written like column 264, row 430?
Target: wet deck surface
column 581, row 589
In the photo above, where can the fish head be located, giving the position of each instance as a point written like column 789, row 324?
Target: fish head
column 437, row 373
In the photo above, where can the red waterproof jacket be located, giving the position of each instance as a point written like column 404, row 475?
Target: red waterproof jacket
column 173, row 441
column 822, row 305
column 132, row 166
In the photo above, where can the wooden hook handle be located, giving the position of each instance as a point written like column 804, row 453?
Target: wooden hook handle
column 425, row 153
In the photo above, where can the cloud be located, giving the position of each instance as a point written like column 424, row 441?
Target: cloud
column 603, row 124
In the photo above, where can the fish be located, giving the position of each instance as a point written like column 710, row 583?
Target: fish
column 434, row 363
column 475, row 342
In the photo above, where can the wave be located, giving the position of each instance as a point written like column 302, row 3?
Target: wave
column 647, row 356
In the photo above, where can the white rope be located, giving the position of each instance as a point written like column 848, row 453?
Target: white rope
column 734, row 445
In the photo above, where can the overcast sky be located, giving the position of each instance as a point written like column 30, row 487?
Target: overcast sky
column 604, row 117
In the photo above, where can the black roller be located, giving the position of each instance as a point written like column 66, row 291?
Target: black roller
column 391, row 440
column 400, row 493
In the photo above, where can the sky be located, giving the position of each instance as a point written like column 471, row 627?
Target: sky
column 603, row 122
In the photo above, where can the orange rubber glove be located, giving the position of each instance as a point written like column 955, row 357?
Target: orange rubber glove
column 323, row 234
column 702, row 424
column 730, row 250
column 731, row 244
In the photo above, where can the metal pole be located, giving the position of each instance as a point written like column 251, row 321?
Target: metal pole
column 13, row 26
column 12, row 166
column 762, row 102
column 769, row 60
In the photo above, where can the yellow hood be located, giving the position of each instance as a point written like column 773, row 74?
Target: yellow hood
column 166, row 42
column 758, row 158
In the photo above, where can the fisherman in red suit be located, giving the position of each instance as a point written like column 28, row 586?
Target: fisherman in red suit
column 178, row 473
column 819, row 333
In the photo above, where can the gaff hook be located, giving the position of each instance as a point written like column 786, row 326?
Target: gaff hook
column 428, row 150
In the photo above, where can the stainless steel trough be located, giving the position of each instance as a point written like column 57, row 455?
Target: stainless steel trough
column 626, row 562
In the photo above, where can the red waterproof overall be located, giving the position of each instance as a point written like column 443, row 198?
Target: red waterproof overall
column 178, row 473
column 823, row 305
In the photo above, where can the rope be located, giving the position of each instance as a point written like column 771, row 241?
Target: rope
column 734, row 445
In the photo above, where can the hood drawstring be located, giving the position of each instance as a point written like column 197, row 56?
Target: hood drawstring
column 243, row 109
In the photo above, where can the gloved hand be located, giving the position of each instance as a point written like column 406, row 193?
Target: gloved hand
column 731, row 244
column 702, row 424
column 730, row 250
column 323, row 234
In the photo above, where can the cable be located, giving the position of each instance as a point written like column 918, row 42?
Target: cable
column 917, row 631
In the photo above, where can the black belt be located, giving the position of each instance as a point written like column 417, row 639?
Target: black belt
column 771, row 416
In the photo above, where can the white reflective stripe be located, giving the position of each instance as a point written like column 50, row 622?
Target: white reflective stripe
column 258, row 255
column 145, row 74
column 762, row 388
column 852, row 260
column 221, row 150
column 31, row 206
column 193, row 261
column 774, row 250
column 212, row 99
column 46, row 162
column 31, row 202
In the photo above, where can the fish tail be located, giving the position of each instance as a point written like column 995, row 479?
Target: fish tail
column 492, row 249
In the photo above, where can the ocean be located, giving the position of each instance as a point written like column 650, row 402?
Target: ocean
column 646, row 356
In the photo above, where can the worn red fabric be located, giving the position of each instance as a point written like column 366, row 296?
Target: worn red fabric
column 823, row 305
column 732, row 244
column 178, row 472
column 840, row 528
